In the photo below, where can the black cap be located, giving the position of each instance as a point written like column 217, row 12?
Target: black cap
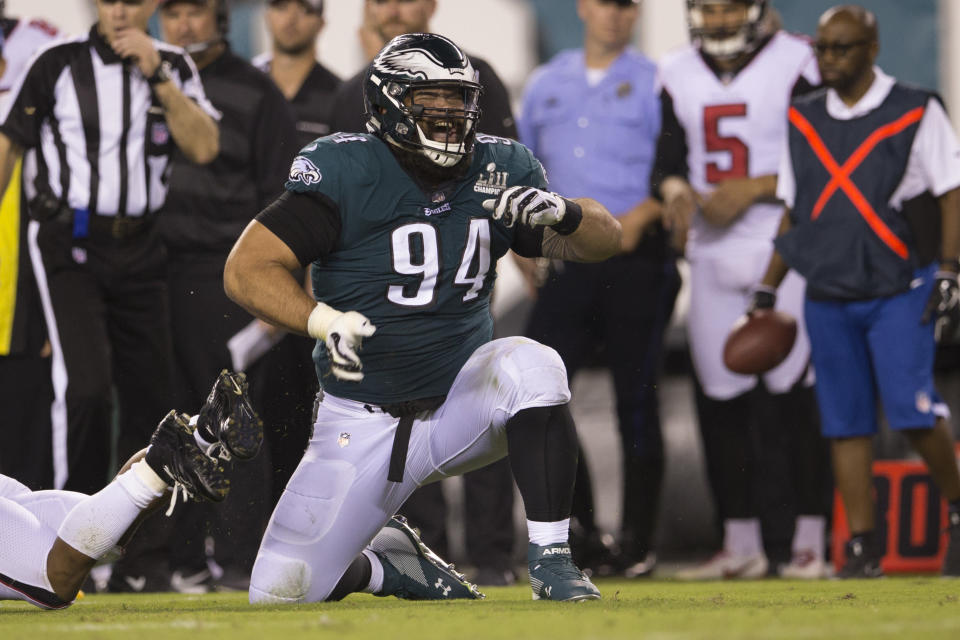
column 316, row 6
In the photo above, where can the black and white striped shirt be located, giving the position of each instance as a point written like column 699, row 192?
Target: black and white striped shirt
column 101, row 136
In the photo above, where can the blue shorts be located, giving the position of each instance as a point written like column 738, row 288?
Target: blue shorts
column 863, row 347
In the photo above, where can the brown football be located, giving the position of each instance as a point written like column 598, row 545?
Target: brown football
column 759, row 342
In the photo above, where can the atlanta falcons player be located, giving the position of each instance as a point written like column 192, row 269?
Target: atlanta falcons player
column 724, row 100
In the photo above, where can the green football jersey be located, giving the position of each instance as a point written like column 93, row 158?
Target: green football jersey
column 420, row 265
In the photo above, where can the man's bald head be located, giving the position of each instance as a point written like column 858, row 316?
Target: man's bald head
column 855, row 15
column 846, row 48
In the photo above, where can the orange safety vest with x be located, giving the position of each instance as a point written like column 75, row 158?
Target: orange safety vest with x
column 846, row 239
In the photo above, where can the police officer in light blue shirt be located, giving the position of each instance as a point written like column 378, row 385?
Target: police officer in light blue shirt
column 592, row 116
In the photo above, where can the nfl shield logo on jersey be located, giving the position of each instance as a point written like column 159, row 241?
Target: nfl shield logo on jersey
column 159, row 134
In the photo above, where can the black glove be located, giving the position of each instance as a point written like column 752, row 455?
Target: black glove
column 943, row 305
column 762, row 297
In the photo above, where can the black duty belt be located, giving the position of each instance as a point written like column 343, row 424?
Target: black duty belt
column 120, row 227
column 406, row 411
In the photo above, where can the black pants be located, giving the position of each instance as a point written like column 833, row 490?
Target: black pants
column 110, row 330
column 26, row 394
column 286, row 388
column 203, row 319
column 621, row 308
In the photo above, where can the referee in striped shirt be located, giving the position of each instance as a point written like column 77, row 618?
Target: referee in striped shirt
column 104, row 112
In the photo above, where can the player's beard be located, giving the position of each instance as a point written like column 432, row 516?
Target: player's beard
column 425, row 171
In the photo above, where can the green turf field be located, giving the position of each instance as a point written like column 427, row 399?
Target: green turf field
column 904, row 608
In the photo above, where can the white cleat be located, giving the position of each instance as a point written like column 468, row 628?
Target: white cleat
column 726, row 565
column 804, row 565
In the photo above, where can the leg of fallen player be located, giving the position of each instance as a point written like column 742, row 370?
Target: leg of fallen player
column 98, row 523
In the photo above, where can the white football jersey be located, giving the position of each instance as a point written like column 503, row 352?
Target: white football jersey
column 23, row 41
column 737, row 129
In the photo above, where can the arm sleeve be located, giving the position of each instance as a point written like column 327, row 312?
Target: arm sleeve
column 528, row 241
column 671, row 155
column 308, row 223
column 937, row 149
column 275, row 144
column 496, row 117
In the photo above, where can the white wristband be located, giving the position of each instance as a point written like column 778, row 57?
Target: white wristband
column 320, row 319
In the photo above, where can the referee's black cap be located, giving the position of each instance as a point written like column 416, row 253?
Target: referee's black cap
column 314, row 6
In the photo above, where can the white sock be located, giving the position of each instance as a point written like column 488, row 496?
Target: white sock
column 741, row 536
column 809, row 534
column 544, row 533
column 96, row 524
column 376, row 573
column 201, row 441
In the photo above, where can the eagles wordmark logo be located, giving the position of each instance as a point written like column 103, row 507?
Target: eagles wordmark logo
column 304, row 171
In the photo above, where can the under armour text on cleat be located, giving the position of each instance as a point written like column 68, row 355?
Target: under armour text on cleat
column 412, row 571
column 228, row 417
column 553, row 576
column 174, row 455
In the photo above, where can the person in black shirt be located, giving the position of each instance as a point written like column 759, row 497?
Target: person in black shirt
column 488, row 492
column 207, row 208
column 292, row 64
column 288, row 380
column 390, row 18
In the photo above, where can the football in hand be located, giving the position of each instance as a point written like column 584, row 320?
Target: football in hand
column 759, row 341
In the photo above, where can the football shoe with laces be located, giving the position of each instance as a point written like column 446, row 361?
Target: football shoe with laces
column 861, row 562
column 228, row 418
column 174, row 455
column 726, row 565
column 805, row 564
column 412, row 571
column 553, row 576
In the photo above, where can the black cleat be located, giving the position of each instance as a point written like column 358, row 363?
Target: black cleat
column 861, row 562
column 175, row 457
column 951, row 561
column 228, row 417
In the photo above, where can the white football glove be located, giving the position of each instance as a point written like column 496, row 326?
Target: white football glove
column 528, row 205
column 342, row 333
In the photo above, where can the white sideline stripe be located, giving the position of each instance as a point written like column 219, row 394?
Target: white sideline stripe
column 58, row 410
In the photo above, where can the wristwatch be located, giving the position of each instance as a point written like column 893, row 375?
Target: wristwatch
column 161, row 74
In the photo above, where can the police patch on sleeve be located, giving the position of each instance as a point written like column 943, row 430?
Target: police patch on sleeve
column 304, row 171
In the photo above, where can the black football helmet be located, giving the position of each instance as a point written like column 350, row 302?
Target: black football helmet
column 413, row 62
column 728, row 43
